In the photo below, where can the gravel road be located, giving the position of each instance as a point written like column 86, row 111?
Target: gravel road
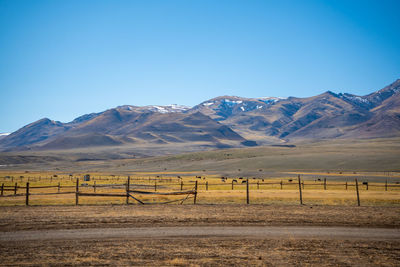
column 353, row 233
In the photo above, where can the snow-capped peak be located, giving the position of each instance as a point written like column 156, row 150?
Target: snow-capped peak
column 156, row 108
column 272, row 98
column 167, row 109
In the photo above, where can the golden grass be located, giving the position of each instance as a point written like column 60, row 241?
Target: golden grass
column 210, row 190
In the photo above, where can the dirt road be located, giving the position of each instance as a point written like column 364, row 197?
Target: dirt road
column 353, row 233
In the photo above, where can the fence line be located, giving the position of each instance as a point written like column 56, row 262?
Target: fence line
column 130, row 189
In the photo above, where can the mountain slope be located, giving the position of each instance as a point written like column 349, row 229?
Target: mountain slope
column 226, row 121
column 328, row 115
column 126, row 125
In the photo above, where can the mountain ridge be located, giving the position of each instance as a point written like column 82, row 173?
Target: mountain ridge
column 224, row 121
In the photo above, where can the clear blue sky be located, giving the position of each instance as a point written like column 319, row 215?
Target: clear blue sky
column 61, row 59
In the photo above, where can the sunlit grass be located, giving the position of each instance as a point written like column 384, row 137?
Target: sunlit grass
column 211, row 190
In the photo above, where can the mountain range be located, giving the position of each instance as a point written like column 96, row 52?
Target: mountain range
column 222, row 122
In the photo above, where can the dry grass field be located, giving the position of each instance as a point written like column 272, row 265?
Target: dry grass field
column 211, row 189
column 199, row 251
column 372, row 161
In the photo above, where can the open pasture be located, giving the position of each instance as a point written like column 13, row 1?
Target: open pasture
column 47, row 188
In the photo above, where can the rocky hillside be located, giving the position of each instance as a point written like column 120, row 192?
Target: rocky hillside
column 221, row 122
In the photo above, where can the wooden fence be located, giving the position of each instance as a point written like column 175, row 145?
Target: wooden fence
column 135, row 190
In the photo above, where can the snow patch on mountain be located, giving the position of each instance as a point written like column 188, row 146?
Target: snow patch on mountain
column 208, row 104
column 271, row 99
column 354, row 98
column 168, row 109
column 233, row 101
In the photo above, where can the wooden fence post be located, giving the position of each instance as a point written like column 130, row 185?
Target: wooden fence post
column 27, row 194
column 247, row 191
column 58, row 187
column 386, row 185
column 155, row 185
column 301, row 194
column 94, row 187
column 358, row 195
column 207, row 186
column 15, row 188
column 77, row 192
column 346, row 185
column 232, row 184
column 258, row 184
column 367, row 185
column 324, row 183
column 195, row 193
column 181, row 185
column 281, row 185
column 2, row 188
column 127, row 189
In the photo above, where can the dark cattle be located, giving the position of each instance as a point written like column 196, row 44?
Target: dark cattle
column 262, row 180
column 319, row 179
column 244, row 181
column 290, row 180
column 365, row 183
column 240, row 178
column 234, row 181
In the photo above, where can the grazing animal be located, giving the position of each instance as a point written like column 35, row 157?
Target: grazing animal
column 234, row 181
column 244, row 181
column 240, row 178
column 290, row 180
column 365, row 183
column 262, row 180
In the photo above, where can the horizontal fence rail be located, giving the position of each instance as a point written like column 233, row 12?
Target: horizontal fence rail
column 164, row 186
